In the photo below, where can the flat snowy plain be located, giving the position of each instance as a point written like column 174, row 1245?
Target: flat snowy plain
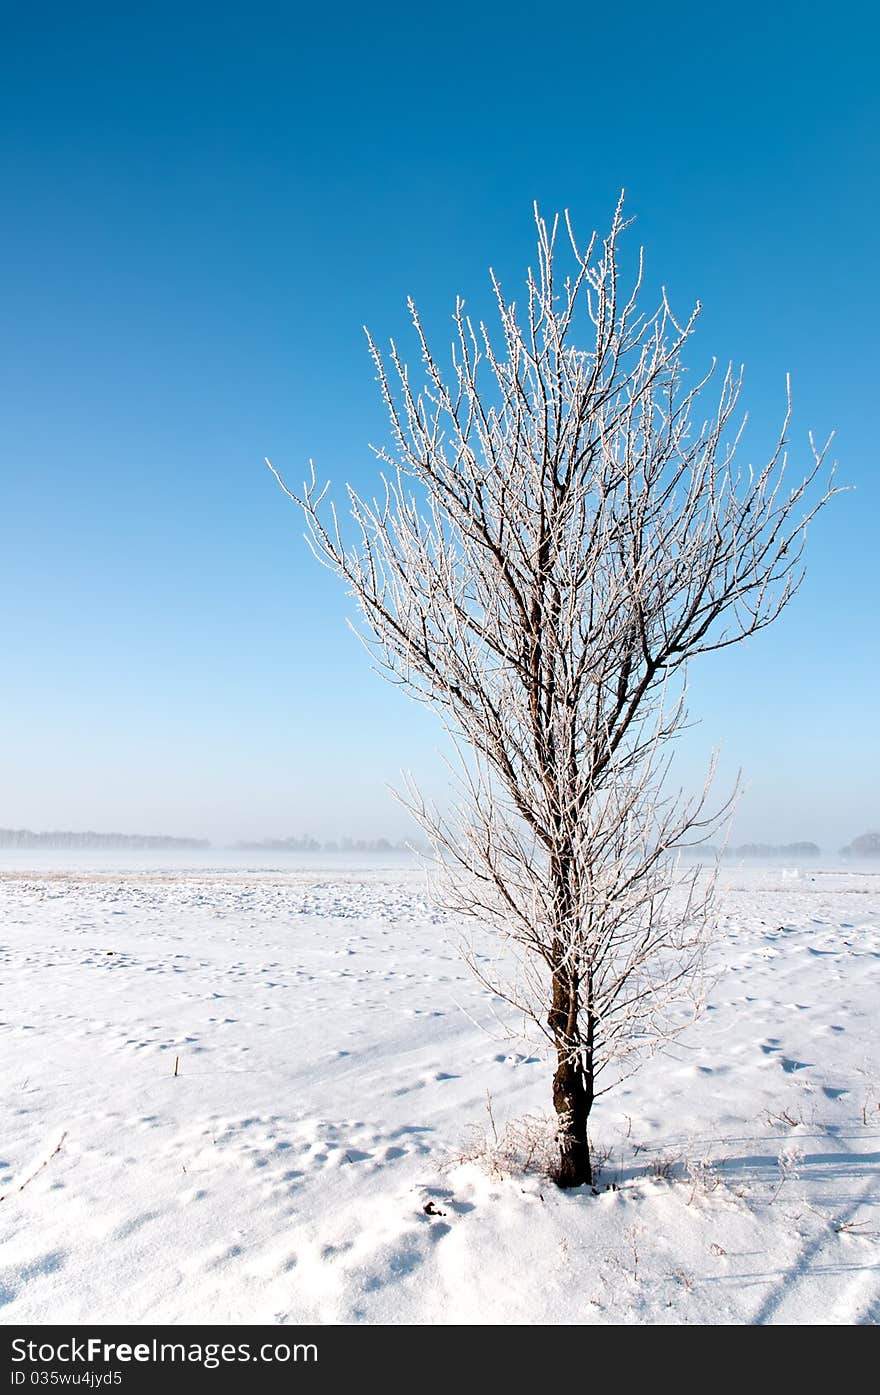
column 334, row 1063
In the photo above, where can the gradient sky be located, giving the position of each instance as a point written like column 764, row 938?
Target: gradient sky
column 201, row 207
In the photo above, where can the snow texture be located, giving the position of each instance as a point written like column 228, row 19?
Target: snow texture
column 333, row 1060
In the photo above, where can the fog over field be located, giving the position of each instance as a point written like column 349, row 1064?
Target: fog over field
column 378, row 854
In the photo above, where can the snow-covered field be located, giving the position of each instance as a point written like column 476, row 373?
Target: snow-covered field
column 332, row 1070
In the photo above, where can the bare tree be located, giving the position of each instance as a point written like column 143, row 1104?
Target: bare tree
column 557, row 536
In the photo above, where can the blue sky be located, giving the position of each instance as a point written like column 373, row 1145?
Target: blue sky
column 201, row 207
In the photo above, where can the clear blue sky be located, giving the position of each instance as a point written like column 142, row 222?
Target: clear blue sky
column 201, row 207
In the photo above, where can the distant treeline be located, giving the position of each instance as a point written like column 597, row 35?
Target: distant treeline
column 24, row 838
column 868, row 845
column 767, row 850
column 344, row 845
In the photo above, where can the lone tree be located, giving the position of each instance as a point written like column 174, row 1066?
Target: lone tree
column 558, row 535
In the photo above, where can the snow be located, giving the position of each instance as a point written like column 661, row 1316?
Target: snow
column 333, row 1061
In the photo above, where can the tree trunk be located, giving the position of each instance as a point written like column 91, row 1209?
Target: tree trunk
column 572, row 1104
column 572, row 1083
